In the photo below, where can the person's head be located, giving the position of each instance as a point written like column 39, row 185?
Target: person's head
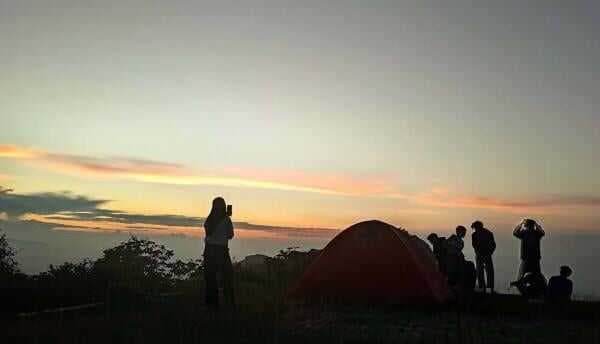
column 432, row 238
column 217, row 213
column 218, row 207
column 565, row 271
column 477, row 225
column 461, row 231
column 529, row 224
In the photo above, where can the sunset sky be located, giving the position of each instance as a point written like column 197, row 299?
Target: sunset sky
column 315, row 115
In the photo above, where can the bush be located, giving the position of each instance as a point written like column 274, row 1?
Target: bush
column 136, row 264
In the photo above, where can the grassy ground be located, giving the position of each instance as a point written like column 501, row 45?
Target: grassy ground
column 263, row 316
column 499, row 319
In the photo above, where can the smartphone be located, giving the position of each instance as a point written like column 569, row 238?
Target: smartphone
column 229, row 210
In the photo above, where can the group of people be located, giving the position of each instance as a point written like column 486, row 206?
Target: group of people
column 462, row 274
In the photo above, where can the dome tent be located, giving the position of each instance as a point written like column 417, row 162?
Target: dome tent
column 374, row 262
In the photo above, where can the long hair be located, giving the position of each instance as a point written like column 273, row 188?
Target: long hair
column 217, row 213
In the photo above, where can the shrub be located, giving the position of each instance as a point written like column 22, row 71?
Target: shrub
column 137, row 264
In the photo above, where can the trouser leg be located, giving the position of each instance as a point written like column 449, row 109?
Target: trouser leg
column 210, row 276
column 489, row 271
column 479, row 262
column 529, row 265
column 227, row 276
column 536, row 266
column 522, row 268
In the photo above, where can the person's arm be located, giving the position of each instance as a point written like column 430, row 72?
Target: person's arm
column 540, row 230
column 230, row 233
column 207, row 230
column 493, row 242
column 518, row 231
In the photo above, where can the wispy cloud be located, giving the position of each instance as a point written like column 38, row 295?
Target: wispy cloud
column 5, row 191
column 141, row 170
column 16, row 152
column 444, row 198
column 170, row 173
column 66, row 211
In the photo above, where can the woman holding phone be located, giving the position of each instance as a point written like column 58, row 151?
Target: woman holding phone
column 219, row 230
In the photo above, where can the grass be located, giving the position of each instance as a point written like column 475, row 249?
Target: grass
column 263, row 315
column 183, row 319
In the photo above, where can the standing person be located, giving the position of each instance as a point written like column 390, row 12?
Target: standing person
column 484, row 246
column 530, row 233
column 439, row 251
column 455, row 258
column 219, row 230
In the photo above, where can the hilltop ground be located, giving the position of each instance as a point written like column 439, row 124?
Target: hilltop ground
column 180, row 319
column 138, row 295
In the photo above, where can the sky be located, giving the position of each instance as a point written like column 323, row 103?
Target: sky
column 131, row 116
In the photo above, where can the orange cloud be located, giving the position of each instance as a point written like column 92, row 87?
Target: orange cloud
column 333, row 182
column 168, row 173
column 443, row 198
column 16, row 152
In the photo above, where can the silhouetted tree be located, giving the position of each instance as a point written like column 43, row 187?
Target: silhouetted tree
column 72, row 275
column 8, row 264
column 190, row 270
column 138, row 264
column 187, row 275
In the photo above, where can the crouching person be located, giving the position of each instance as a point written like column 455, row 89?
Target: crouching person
column 560, row 288
column 532, row 285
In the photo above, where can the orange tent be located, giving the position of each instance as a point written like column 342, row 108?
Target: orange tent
column 374, row 262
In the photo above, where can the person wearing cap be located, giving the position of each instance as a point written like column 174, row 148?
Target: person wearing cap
column 484, row 246
column 530, row 233
column 560, row 288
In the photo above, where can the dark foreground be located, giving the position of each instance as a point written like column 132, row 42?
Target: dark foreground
column 179, row 319
column 135, row 293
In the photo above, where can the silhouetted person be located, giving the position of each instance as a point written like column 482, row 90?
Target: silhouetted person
column 455, row 257
column 219, row 230
column 484, row 246
column 530, row 233
column 439, row 251
column 560, row 288
column 531, row 285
